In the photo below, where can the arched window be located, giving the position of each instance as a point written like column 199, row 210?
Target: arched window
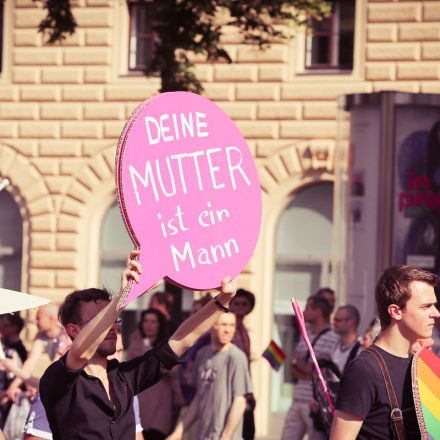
column 303, row 256
column 11, row 241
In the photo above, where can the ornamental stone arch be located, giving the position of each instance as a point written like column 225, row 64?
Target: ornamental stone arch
column 84, row 205
column 36, row 206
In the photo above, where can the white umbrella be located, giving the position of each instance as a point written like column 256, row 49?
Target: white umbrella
column 13, row 301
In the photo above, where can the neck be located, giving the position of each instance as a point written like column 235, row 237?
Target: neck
column 348, row 339
column 97, row 366
column 53, row 332
column 319, row 325
column 392, row 341
column 216, row 346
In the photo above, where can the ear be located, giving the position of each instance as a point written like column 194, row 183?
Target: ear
column 72, row 330
column 395, row 312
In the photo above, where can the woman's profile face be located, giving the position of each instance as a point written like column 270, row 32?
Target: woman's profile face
column 150, row 326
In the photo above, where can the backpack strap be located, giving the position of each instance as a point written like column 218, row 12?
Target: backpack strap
column 396, row 412
column 353, row 352
column 322, row 332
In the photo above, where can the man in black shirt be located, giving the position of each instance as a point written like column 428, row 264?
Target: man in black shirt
column 406, row 304
column 87, row 397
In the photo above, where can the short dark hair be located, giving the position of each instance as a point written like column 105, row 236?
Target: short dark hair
column 394, row 287
column 70, row 309
column 15, row 320
column 322, row 304
column 248, row 295
column 322, row 290
column 352, row 313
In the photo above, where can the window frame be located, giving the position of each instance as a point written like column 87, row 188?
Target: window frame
column 334, row 35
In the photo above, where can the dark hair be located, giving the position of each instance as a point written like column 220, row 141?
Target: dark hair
column 248, row 295
column 15, row 320
column 352, row 312
column 70, row 309
column 322, row 304
column 163, row 299
column 394, row 287
column 163, row 330
column 321, row 290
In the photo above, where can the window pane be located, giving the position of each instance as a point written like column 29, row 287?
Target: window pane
column 141, row 37
column 11, row 232
column 320, row 50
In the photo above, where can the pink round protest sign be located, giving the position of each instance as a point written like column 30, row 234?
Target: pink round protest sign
column 189, row 192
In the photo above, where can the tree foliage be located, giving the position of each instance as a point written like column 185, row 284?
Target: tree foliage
column 185, row 27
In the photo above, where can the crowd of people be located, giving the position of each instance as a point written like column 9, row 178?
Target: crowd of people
column 175, row 374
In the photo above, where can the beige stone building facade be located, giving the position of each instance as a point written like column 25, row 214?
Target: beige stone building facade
column 63, row 107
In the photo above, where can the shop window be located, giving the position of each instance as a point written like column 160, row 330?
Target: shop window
column 11, row 239
column 330, row 42
column 141, row 36
column 303, row 261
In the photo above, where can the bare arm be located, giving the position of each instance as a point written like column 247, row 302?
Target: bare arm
column 235, row 415
column 20, row 373
column 345, row 426
column 94, row 332
column 198, row 324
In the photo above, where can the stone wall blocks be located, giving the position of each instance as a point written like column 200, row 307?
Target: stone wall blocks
column 81, row 130
column 39, row 93
column 128, row 92
column 93, row 17
column 239, row 110
column 431, row 11
column 101, row 168
column 8, row 130
column 279, row 110
column 39, row 129
column 104, row 111
column 219, row 92
column 41, row 56
column 26, row 75
column 393, row 52
column 40, row 206
column 47, row 166
column 82, row 93
column 272, row 72
column 265, row 148
column 43, row 241
column 277, row 168
column 35, row 191
column 258, row 129
column 311, row 92
column 67, row 242
column 257, row 92
column 112, row 130
column 86, row 56
column 60, row 148
column 66, row 279
column 43, row 223
column 62, row 75
column 321, row 110
column 92, row 147
column 430, row 87
column 98, row 37
column 380, row 71
column 27, row 38
column 54, row 260
column 431, row 51
column 20, row 111
column 291, row 160
column 399, row 86
column 67, row 223
column 72, row 207
column 235, row 73
column 79, row 192
column 419, row 32
column 277, row 53
column 61, row 111
column 42, row 278
column 308, row 129
column 381, row 32
column 28, row 18
column 7, row 158
column 418, row 71
column 89, row 179
column 267, row 181
column 96, row 75
column 8, row 93
column 397, row 12
column 26, row 147
column 57, row 184
column 70, row 166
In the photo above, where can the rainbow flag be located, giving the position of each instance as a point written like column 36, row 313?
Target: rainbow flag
column 426, row 390
column 274, row 355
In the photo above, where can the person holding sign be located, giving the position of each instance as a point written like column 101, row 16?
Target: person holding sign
column 406, row 304
column 84, row 395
